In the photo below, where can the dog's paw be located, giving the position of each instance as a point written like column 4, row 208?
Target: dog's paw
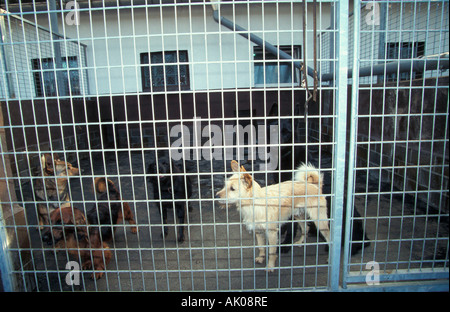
column 134, row 230
column 260, row 259
column 164, row 233
column 87, row 265
column 180, row 239
column 270, row 270
column 97, row 275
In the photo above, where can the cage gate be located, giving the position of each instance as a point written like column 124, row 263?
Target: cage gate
column 120, row 119
column 397, row 156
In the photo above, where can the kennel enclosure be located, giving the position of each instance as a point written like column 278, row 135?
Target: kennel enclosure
column 107, row 85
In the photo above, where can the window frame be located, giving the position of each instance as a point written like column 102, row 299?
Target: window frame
column 270, row 59
column 42, row 89
column 147, row 68
column 395, row 51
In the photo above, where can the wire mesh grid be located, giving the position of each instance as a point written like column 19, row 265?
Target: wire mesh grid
column 164, row 81
column 28, row 62
column 400, row 157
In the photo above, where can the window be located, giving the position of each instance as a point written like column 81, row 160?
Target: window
column 44, row 75
column 168, row 70
column 404, row 50
column 273, row 71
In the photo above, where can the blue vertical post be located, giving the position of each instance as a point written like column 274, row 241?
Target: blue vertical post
column 5, row 260
column 352, row 137
column 340, row 133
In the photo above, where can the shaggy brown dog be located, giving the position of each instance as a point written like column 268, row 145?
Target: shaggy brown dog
column 69, row 230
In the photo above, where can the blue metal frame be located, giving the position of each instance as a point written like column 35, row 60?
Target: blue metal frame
column 352, row 138
column 423, row 279
column 5, row 260
column 337, row 201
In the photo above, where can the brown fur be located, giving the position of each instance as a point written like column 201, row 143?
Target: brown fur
column 51, row 191
column 263, row 208
column 110, row 192
column 100, row 184
column 70, row 231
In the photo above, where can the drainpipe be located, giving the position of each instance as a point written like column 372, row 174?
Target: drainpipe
column 266, row 46
column 396, row 67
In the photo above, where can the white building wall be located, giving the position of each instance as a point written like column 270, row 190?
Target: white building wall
column 406, row 22
column 218, row 58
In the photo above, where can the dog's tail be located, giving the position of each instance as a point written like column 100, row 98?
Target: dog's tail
column 309, row 173
column 100, row 186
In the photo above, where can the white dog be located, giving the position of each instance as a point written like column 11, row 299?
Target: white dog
column 264, row 208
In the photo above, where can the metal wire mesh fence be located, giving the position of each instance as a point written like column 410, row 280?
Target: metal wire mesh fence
column 119, row 122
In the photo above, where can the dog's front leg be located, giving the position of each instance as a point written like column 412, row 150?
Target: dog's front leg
column 181, row 214
column 165, row 229
column 260, row 239
column 101, row 259
column 273, row 242
column 129, row 217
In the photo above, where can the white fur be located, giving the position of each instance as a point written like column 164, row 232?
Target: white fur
column 308, row 173
column 264, row 208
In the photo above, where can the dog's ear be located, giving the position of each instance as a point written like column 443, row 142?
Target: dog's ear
column 47, row 162
column 100, row 184
column 43, row 161
column 247, row 179
column 243, row 169
column 234, row 166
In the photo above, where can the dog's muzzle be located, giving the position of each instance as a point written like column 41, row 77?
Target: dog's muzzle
column 220, row 200
column 217, row 196
column 47, row 237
